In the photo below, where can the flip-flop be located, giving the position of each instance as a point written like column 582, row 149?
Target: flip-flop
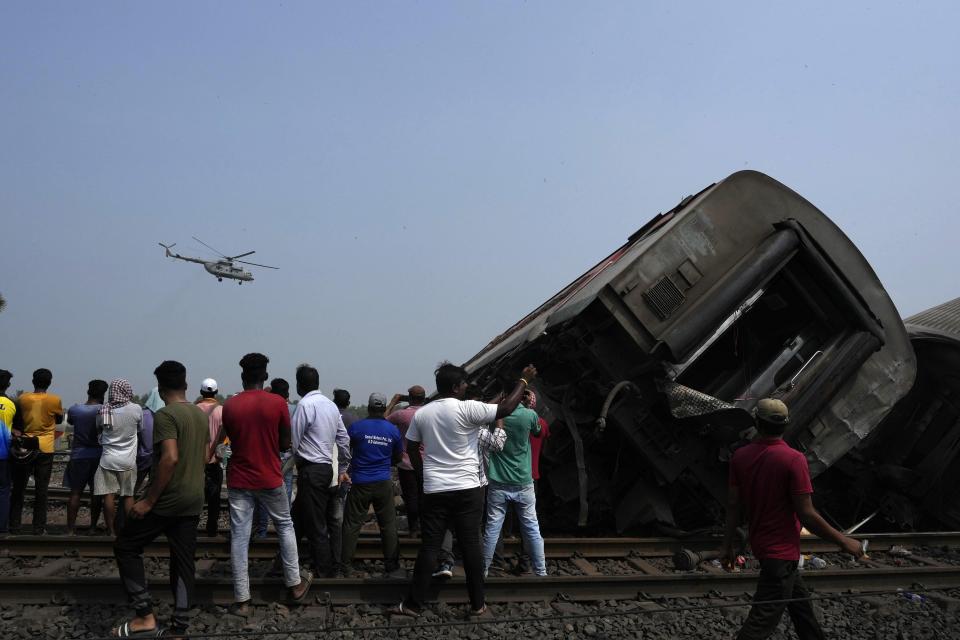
column 400, row 610
column 126, row 631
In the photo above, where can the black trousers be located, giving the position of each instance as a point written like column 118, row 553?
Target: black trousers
column 410, row 490
column 463, row 510
column 213, row 481
column 310, row 506
column 181, row 534
column 5, row 481
column 361, row 496
column 335, row 505
column 40, row 469
column 780, row 579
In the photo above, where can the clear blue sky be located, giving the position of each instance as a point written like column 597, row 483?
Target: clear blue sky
column 426, row 173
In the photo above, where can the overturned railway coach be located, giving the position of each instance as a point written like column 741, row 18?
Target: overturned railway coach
column 652, row 361
column 908, row 469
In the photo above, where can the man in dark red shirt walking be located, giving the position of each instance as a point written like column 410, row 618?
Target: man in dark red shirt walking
column 770, row 484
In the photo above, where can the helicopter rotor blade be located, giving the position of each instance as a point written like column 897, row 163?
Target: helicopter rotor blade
column 209, row 247
column 241, row 255
column 265, row 266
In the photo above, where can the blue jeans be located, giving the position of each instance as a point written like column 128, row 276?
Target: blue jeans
column 523, row 496
column 277, row 506
column 260, row 517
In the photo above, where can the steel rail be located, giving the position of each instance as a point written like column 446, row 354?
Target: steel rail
column 62, row 494
column 63, row 590
column 369, row 545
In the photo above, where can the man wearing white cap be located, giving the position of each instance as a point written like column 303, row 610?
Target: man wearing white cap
column 213, row 474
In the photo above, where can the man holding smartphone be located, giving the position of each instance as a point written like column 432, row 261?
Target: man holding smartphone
column 411, row 480
column 448, row 428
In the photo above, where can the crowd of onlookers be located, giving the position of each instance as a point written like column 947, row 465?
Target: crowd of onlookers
column 311, row 468
column 461, row 462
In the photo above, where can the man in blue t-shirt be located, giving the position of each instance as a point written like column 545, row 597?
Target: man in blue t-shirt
column 84, row 454
column 376, row 446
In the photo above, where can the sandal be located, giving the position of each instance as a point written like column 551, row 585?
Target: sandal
column 401, row 610
column 482, row 613
column 124, row 630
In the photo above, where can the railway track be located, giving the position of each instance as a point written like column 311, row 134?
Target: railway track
column 60, row 590
column 61, row 494
column 369, row 546
column 648, row 571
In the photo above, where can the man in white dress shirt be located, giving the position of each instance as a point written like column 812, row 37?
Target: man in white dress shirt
column 316, row 430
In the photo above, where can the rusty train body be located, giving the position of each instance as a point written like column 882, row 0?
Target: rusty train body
column 652, row 361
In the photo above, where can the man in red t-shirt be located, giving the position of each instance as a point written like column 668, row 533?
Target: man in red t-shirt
column 258, row 425
column 770, row 483
column 536, row 441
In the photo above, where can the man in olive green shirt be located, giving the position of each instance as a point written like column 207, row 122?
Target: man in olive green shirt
column 170, row 507
column 511, row 480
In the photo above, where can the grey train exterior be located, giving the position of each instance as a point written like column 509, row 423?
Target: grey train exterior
column 652, row 360
column 908, row 469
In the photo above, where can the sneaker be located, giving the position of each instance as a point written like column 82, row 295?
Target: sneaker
column 445, row 571
column 298, row 593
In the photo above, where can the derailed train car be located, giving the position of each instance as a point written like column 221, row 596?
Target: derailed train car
column 908, row 469
column 651, row 361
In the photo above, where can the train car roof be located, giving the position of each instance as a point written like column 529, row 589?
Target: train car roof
column 939, row 322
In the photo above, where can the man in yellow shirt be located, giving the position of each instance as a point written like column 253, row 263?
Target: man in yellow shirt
column 8, row 410
column 38, row 415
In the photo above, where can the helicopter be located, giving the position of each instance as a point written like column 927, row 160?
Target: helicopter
column 222, row 268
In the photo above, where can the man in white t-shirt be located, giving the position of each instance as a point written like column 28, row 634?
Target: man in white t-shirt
column 119, row 422
column 448, row 428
